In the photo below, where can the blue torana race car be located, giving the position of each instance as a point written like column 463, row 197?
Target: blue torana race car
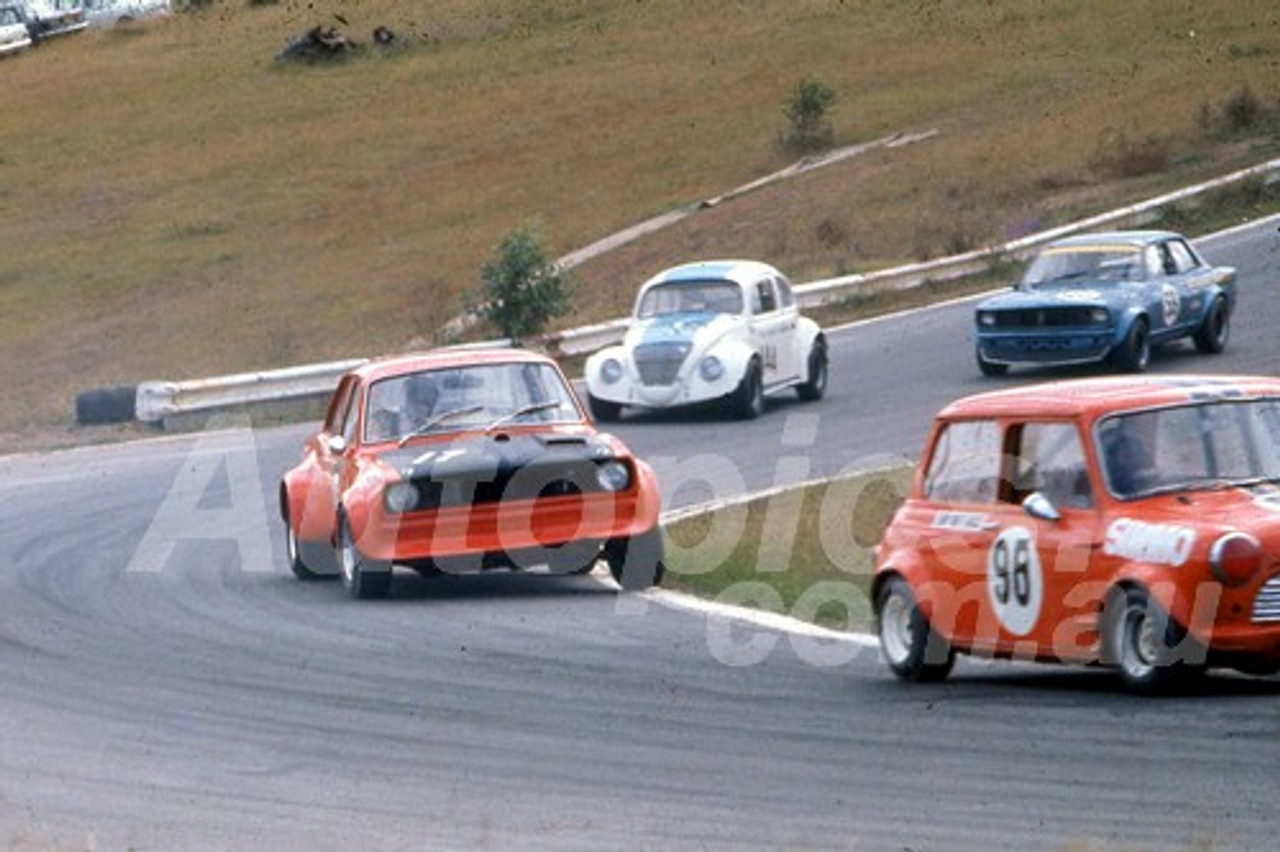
column 1109, row 298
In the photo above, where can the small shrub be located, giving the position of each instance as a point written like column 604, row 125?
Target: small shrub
column 831, row 234
column 1242, row 110
column 807, row 110
column 521, row 289
column 1119, row 155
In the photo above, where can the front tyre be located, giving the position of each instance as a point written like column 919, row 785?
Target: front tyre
column 747, row 401
column 603, row 410
column 1148, row 648
column 636, row 563
column 1134, row 354
column 293, row 550
column 912, row 648
column 357, row 577
column 815, row 384
column 1211, row 337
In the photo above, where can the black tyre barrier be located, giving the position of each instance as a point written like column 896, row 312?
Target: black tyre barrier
column 106, row 405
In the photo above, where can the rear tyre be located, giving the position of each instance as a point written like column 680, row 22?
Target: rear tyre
column 989, row 368
column 1211, row 337
column 636, row 563
column 1148, row 648
column 357, row 577
column 603, row 410
column 815, row 384
column 747, row 401
column 1134, row 354
column 913, row 650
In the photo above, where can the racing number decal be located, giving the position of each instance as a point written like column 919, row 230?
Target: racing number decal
column 1171, row 304
column 1015, row 583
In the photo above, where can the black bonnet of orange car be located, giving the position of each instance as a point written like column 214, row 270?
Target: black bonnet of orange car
column 502, row 466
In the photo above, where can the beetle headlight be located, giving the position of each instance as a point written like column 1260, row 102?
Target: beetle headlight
column 610, row 370
column 1235, row 558
column 401, row 497
column 711, row 368
column 613, row 476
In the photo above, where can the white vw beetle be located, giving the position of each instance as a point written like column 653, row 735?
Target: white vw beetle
column 724, row 330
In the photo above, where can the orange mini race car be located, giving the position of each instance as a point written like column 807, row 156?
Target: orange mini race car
column 465, row 460
column 1125, row 521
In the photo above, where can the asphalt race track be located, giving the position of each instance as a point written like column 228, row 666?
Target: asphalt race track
column 165, row 684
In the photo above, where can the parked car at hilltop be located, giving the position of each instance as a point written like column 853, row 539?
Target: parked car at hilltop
column 105, row 13
column 726, row 330
column 51, row 18
column 14, row 36
column 1107, row 297
column 1130, row 521
column 459, row 461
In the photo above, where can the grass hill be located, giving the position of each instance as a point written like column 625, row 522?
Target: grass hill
column 176, row 203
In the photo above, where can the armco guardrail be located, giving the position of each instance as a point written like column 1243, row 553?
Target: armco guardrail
column 158, row 400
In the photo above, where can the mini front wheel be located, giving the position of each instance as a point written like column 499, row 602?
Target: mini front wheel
column 1149, row 649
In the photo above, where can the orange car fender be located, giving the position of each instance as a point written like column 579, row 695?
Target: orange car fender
column 305, row 503
column 648, row 497
column 1190, row 601
column 361, row 500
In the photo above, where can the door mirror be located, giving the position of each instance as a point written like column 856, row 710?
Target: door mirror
column 1037, row 505
column 336, row 444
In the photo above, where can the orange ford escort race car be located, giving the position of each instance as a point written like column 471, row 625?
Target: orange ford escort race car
column 1128, row 521
column 464, row 460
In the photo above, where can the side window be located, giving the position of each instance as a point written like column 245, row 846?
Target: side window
column 1049, row 458
column 350, row 414
column 786, row 298
column 1183, row 259
column 1154, row 262
column 965, row 465
column 337, row 413
column 766, row 301
column 1167, row 264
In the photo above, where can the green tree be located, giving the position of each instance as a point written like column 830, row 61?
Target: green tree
column 807, row 109
column 521, row 290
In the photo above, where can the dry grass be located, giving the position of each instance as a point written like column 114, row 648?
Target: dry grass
column 176, row 204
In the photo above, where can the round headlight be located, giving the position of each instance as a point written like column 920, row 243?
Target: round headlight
column 1099, row 316
column 1235, row 558
column 611, row 370
column 401, row 497
column 987, row 318
column 710, row 368
column 613, row 476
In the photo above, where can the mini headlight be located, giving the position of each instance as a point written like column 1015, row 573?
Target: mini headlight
column 1235, row 558
column 711, row 369
column 610, row 370
column 401, row 497
column 613, row 476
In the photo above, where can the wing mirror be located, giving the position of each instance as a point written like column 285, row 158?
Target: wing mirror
column 336, row 444
column 1037, row 505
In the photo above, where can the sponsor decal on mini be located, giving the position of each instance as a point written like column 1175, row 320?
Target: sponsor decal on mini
column 964, row 521
column 1162, row 544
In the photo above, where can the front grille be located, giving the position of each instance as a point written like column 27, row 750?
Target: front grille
column 659, row 363
column 1062, row 317
column 1266, row 606
column 564, row 479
